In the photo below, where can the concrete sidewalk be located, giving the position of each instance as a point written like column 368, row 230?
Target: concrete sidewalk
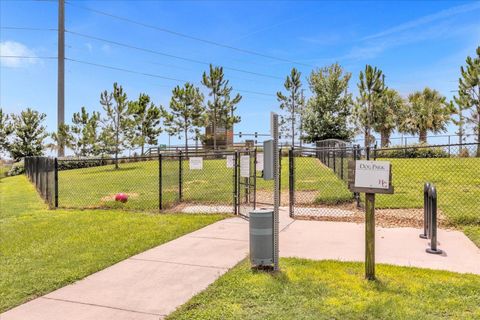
column 154, row 283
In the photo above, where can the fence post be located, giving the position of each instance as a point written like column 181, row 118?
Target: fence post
column 375, row 152
column 356, row 156
column 334, row 161
column 55, row 174
column 180, row 174
column 235, row 183
column 160, row 177
column 449, row 146
column 432, row 193
column 342, row 155
column 255, row 178
column 426, row 202
column 280, row 174
column 291, row 182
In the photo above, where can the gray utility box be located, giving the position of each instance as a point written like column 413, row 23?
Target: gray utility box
column 261, row 237
column 268, row 160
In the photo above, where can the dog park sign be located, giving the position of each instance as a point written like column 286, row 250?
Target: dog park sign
column 370, row 177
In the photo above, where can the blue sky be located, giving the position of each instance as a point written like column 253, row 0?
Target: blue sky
column 416, row 44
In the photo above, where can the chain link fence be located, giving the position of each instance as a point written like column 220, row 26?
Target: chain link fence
column 314, row 183
column 319, row 187
column 41, row 171
column 318, row 183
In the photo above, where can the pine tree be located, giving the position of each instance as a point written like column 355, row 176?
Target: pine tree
column 186, row 110
column 84, row 131
column 62, row 138
column 371, row 87
column 220, row 109
column 29, row 134
column 118, row 123
column 469, row 92
column 329, row 109
column 6, row 130
column 291, row 104
column 146, row 121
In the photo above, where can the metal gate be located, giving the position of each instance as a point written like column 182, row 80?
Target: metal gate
column 251, row 190
column 318, row 183
column 246, row 182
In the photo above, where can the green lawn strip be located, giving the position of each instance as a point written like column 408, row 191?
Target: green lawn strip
column 42, row 249
column 307, row 289
column 473, row 232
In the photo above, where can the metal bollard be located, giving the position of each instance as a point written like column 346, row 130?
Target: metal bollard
column 426, row 187
column 432, row 234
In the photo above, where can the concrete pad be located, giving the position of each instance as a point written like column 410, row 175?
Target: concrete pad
column 399, row 246
column 195, row 251
column 140, row 286
column 47, row 309
column 207, row 209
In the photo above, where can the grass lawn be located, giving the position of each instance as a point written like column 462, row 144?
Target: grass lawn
column 41, row 249
column 457, row 181
column 96, row 187
column 473, row 232
column 307, row 289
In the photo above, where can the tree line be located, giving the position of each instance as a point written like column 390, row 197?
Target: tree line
column 127, row 124
column 332, row 113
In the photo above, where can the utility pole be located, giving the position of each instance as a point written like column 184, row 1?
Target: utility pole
column 61, row 72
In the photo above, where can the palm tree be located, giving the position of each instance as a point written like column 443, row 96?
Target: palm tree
column 371, row 88
column 427, row 111
column 386, row 115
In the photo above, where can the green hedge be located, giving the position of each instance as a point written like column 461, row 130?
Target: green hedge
column 413, row 151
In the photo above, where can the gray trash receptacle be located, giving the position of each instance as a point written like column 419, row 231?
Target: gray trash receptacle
column 261, row 237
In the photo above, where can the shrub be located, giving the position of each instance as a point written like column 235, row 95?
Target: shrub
column 17, row 168
column 413, row 151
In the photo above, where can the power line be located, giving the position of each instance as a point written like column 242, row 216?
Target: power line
column 186, row 36
column 27, row 57
column 168, row 54
column 28, row 28
column 154, row 75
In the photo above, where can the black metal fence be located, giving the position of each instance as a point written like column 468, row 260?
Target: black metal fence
column 319, row 189
column 42, row 172
column 313, row 184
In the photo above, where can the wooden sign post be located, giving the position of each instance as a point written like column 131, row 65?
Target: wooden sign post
column 370, row 177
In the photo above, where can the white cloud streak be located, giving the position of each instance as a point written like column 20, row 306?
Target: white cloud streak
column 13, row 48
column 450, row 12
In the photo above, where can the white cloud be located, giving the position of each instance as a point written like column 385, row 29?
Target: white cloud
column 16, row 49
column 441, row 30
column 450, row 12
